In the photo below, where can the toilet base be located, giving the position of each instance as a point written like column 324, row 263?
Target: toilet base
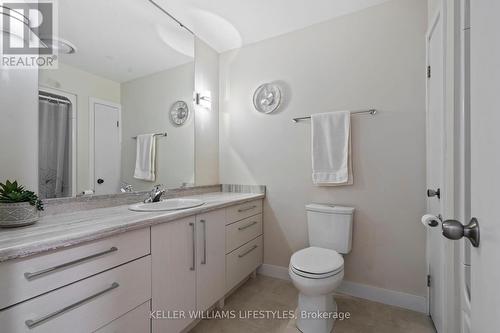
column 316, row 314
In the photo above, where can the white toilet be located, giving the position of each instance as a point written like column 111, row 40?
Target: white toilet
column 318, row 270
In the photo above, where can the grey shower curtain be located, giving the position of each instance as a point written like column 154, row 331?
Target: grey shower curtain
column 54, row 149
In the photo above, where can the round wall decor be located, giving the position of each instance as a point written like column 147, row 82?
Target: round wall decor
column 179, row 113
column 267, row 98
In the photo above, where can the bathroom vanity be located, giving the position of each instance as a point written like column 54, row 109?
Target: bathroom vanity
column 116, row 270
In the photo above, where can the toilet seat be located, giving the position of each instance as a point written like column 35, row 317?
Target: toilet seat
column 316, row 276
column 316, row 263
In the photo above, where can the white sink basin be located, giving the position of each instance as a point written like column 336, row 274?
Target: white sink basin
column 166, row 205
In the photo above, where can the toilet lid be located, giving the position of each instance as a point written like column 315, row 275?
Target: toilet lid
column 316, row 260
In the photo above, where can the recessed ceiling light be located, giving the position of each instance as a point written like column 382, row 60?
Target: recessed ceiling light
column 60, row 45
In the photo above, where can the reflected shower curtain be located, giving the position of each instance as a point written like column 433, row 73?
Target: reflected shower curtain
column 54, row 149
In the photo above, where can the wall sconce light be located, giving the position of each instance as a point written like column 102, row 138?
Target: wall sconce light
column 203, row 100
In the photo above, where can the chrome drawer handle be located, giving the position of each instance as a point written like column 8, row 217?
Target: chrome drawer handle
column 204, row 260
column 193, row 235
column 247, row 226
column 247, row 252
column 245, row 209
column 32, row 276
column 33, row 323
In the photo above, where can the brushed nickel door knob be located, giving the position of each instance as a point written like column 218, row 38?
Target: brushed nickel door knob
column 455, row 230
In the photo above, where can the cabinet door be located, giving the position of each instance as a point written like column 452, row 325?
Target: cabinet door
column 174, row 278
column 210, row 275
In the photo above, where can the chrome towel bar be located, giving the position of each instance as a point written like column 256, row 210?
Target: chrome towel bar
column 371, row 111
column 156, row 134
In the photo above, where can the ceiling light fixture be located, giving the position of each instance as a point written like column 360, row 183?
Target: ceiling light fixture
column 62, row 46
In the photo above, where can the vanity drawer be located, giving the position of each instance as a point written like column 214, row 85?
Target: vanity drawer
column 83, row 306
column 32, row 276
column 243, row 231
column 135, row 321
column 242, row 211
column 243, row 261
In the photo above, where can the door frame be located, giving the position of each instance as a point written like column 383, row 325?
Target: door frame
column 450, row 205
column 462, row 166
column 74, row 135
column 92, row 102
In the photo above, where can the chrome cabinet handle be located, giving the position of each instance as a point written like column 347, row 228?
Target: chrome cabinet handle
column 194, row 240
column 31, row 276
column 245, row 209
column 247, row 252
column 204, row 260
column 247, row 226
column 31, row 323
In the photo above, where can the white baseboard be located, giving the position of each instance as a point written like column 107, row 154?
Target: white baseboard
column 376, row 294
column 386, row 296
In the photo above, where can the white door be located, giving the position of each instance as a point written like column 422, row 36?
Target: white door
column 485, row 163
column 435, row 168
column 106, row 147
column 173, row 252
column 211, row 258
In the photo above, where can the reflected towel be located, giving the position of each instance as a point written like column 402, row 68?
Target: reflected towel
column 145, row 159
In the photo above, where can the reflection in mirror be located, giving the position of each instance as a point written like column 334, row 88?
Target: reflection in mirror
column 126, row 73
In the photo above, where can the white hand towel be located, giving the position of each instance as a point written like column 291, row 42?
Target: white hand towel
column 145, row 159
column 331, row 148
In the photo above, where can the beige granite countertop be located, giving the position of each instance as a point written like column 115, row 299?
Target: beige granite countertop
column 67, row 229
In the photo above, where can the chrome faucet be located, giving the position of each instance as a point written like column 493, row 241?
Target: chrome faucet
column 156, row 193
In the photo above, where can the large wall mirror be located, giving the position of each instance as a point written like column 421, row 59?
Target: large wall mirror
column 124, row 70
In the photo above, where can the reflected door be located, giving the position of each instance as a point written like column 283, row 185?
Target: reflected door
column 107, row 147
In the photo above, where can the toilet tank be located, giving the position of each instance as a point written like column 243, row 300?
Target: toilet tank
column 330, row 226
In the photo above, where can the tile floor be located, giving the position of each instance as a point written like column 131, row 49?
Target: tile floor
column 264, row 293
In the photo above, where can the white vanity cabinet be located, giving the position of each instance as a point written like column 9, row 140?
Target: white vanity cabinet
column 188, row 268
column 166, row 272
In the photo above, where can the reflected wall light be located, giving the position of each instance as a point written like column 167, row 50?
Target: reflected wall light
column 203, row 99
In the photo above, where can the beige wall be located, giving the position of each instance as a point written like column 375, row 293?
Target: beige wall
column 19, row 126
column 146, row 106
column 207, row 121
column 84, row 85
column 372, row 58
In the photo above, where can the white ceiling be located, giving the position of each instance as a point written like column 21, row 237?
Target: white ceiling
column 125, row 39
column 122, row 39
column 229, row 24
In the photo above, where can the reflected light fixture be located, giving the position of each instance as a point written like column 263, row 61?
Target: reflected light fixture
column 203, row 99
column 59, row 45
